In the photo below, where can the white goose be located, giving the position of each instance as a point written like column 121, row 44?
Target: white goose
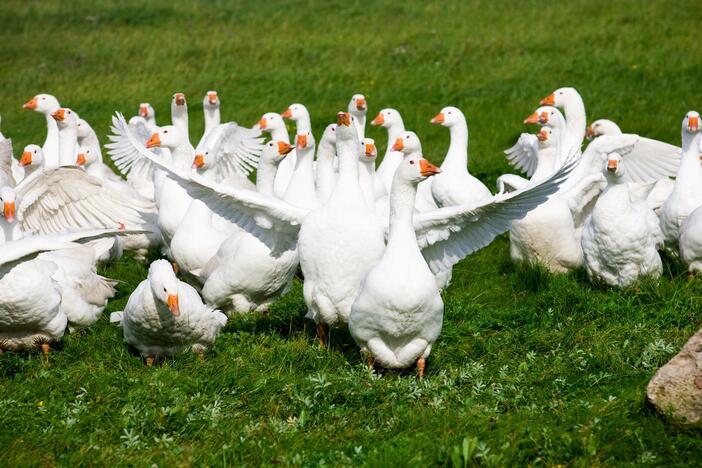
column 621, row 237
column 31, row 313
column 272, row 122
column 398, row 312
column 147, row 112
column 664, row 187
column 210, row 107
column 572, row 104
column 333, row 258
column 454, row 185
column 366, row 176
column 687, row 193
column 358, row 107
column 540, row 157
column 165, row 316
column 325, row 174
column 392, row 121
column 47, row 104
column 301, row 190
column 408, row 145
column 179, row 115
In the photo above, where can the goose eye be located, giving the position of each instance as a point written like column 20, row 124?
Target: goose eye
column 164, row 289
column 43, row 98
column 35, row 151
column 165, row 131
column 407, row 137
column 411, row 162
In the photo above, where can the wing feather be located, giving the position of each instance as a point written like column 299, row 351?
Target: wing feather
column 524, row 155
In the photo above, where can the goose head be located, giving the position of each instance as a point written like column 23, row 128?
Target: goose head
column 32, row 155
column 415, row 169
column 602, row 127
column 86, row 157
column 386, row 118
column 690, row 128
column 613, row 167
column 560, row 97
column 65, row 118
column 7, row 198
column 44, row 103
column 168, row 137
column 179, row 108
column 275, row 151
column 211, row 100
column 546, row 115
column 329, row 135
column 370, row 152
column 164, row 285
column 358, row 105
column 304, row 141
column 83, row 129
column 295, row 112
column 448, row 117
column 270, row 121
column 407, row 143
column 146, row 110
column 547, row 137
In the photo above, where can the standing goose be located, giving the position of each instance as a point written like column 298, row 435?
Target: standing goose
column 210, row 108
column 366, row 173
column 47, row 104
column 392, row 121
column 165, row 316
column 572, row 104
column 301, row 190
column 147, row 112
column 541, row 157
column 621, row 237
column 273, row 123
column 325, row 174
column 409, row 145
column 687, row 193
column 179, row 115
column 398, row 312
column 358, row 107
column 454, row 185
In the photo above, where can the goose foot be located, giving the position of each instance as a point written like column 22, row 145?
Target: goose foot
column 149, row 361
column 200, row 356
column 322, row 334
column 370, row 361
column 45, row 349
column 420, row 367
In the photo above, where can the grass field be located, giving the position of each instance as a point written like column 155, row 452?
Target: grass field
column 530, row 368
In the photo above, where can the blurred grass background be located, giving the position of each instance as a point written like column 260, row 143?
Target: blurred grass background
column 530, row 369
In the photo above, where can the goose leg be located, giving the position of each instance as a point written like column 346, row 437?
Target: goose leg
column 322, row 334
column 45, row 349
column 176, row 268
column 149, row 361
column 420, row 367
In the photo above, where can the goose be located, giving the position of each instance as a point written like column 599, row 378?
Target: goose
column 179, row 115
column 147, row 112
column 301, row 190
column 540, row 153
column 165, row 316
column 366, row 174
column 687, row 193
column 47, row 104
column 409, row 145
column 663, row 187
column 690, row 243
column 391, row 120
column 358, row 106
column 272, row 122
column 340, row 241
column 572, row 104
column 454, row 185
column 246, row 275
column 210, row 107
column 31, row 312
column 16, row 170
column 398, row 312
column 325, row 174
column 621, row 237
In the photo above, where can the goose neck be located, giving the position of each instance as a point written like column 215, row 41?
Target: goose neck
column 402, row 198
column 280, row 134
column 265, row 177
column 51, row 145
column 576, row 120
column 212, row 118
column 67, row 146
column 457, row 155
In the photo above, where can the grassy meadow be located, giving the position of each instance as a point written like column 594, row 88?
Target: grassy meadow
column 530, row 369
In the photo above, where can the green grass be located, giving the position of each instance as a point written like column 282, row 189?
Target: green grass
column 530, row 368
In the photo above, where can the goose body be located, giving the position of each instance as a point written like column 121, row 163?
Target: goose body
column 165, row 316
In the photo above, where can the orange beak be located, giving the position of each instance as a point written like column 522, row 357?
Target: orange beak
column 59, row 115
column 370, row 149
column 693, row 123
column 262, row 124
column 31, row 104
column 361, row 104
column 589, row 132
column 532, row 119
column 612, row 165
column 26, row 159
column 284, row 148
column 343, row 118
column 543, row 117
column 427, row 169
column 286, row 114
column 399, row 145
column 179, row 99
column 173, row 306
column 153, row 141
column 549, row 100
column 80, row 159
column 378, row 120
column 143, row 111
column 301, row 141
column 212, row 98
column 542, row 135
column 9, row 211
column 199, row 161
column 438, row 119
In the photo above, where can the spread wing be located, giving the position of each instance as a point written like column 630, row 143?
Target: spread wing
column 67, row 198
column 6, row 178
column 448, row 235
column 127, row 148
column 524, row 155
column 270, row 219
column 236, row 149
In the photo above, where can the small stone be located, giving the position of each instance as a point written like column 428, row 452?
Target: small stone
column 676, row 389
